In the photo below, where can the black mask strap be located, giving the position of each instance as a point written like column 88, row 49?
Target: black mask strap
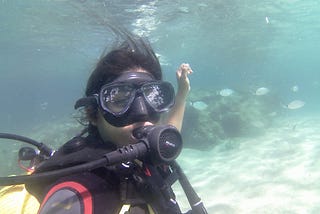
column 86, row 101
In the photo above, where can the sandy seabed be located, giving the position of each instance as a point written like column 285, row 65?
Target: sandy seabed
column 278, row 172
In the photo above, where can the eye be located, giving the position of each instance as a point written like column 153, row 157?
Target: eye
column 160, row 95
column 117, row 99
column 154, row 95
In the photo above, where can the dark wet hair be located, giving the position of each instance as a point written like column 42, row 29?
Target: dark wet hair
column 134, row 52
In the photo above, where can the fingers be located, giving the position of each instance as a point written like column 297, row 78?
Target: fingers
column 184, row 70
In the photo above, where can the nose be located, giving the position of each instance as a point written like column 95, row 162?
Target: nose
column 139, row 111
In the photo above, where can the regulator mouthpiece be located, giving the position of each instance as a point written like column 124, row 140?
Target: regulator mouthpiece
column 163, row 141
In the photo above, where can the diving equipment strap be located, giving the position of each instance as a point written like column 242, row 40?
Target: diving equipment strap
column 124, row 209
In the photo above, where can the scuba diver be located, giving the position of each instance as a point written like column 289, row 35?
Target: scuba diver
column 124, row 161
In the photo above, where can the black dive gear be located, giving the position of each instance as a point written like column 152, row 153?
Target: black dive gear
column 132, row 97
column 45, row 151
column 157, row 146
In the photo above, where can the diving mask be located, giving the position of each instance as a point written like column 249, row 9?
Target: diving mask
column 134, row 97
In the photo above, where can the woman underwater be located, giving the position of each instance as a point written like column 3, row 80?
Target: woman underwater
column 124, row 93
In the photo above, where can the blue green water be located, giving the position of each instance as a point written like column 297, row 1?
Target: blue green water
column 49, row 47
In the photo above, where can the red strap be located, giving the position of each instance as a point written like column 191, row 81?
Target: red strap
column 79, row 188
column 147, row 171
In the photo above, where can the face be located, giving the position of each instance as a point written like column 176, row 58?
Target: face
column 118, row 135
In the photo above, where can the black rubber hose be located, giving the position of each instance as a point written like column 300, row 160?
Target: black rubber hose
column 44, row 149
column 124, row 154
column 193, row 198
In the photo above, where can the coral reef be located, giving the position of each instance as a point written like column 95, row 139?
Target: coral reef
column 225, row 117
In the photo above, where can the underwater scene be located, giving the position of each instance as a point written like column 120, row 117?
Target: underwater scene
column 251, row 129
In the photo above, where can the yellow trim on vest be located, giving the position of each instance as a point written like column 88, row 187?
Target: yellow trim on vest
column 15, row 199
column 150, row 209
column 126, row 207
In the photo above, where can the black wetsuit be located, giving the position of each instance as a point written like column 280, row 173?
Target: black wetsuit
column 104, row 189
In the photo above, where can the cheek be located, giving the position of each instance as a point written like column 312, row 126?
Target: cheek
column 123, row 136
column 118, row 135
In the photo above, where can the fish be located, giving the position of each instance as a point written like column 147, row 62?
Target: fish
column 183, row 9
column 257, row 124
column 262, row 91
column 44, row 105
column 295, row 104
column 226, row 92
column 295, row 88
column 267, row 19
column 200, row 105
column 272, row 114
column 202, row 5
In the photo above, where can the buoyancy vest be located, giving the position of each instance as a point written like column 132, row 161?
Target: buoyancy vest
column 16, row 199
column 126, row 188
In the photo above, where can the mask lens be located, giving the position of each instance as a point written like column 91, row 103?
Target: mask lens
column 159, row 95
column 116, row 99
